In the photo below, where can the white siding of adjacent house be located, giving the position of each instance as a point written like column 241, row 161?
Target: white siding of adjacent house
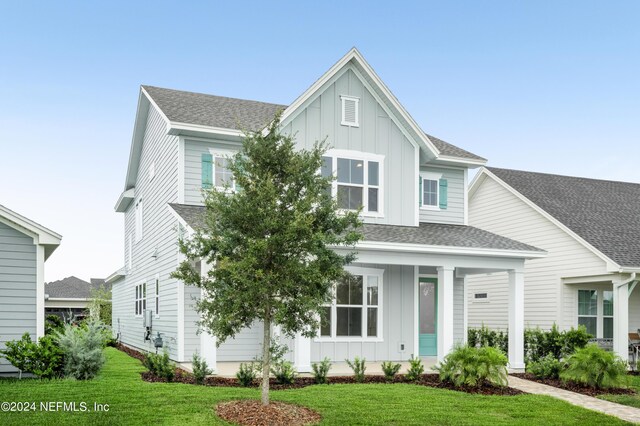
column 18, row 267
column 454, row 213
column 547, row 300
column 160, row 235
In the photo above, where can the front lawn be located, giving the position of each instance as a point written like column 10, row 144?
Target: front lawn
column 133, row 401
column 631, row 400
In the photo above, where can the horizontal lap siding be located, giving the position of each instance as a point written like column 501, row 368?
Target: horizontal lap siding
column 497, row 210
column 191, row 318
column 397, row 323
column 160, row 236
column 454, row 213
column 246, row 346
column 17, row 289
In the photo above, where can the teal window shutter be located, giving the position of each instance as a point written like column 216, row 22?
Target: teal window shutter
column 419, row 191
column 207, row 171
column 443, row 193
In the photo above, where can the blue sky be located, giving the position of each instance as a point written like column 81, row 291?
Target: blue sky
column 541, row 85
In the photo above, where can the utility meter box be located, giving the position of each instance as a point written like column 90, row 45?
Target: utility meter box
column 148, row 318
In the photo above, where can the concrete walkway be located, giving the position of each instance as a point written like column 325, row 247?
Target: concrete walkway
column 623, row 412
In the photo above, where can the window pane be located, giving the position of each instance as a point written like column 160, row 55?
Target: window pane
column 607, row 331
column 327, row 166
column 372, row 322
column 343, row 170
column 430, row 192
column 342, row 292
column 587, row 302
column 355, row 290
column 349, row 321
column 349, row 197
column 607, row 303
column 373, row 173
column 372, row 290
column 589, row 323
column 223, row 174
column 357, row 171
column 373, row 200
column 325, row 322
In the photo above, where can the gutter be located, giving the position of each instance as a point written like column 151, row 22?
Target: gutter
column 632, row 280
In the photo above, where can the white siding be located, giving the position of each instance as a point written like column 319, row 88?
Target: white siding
column 17, row 289
column 454, row 213
column 160, row 236
column 458, row 311
column 497, row 210
column 246, row 346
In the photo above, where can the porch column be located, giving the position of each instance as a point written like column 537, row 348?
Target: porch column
column 621, row 319
column 208, row 348
column 302, row 354
column 445, row 311
column 516, row 319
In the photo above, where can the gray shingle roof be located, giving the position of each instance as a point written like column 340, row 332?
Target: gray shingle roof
column 433, row 234
column 240, row 114
column 604, row 213
column 210, row 110
column 69, row 288
column 446, row 148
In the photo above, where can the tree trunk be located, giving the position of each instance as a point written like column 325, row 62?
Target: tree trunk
column 266, row 359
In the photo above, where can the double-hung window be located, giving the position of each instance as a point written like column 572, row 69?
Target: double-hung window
column 157, row 289
column 607, row 314
column 595, row 312
column 358, row 180
column 215, row 170
column 433, row 191
column 141, row 299
column 356, row 310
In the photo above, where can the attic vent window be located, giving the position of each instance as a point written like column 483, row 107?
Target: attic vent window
column 481, row 297
column 350, row 111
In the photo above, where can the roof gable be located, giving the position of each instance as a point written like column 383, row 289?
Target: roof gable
column 602, row 215
column 43, row 236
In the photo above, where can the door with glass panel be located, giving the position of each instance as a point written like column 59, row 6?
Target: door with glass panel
column 428, row 314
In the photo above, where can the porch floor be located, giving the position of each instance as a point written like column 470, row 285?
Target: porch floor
column 229, row 369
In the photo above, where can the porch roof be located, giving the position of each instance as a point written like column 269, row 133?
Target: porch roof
column 430, row 234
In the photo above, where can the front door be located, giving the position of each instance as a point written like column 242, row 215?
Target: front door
column 427, row 318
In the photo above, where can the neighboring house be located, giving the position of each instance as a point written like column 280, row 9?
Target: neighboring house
column 591, row 231
column 24, row 247
column 407, row 295
column 69, row 298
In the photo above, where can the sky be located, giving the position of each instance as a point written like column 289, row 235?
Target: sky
column 533, row 85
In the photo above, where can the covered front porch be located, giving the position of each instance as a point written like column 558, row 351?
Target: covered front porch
column 608, row 306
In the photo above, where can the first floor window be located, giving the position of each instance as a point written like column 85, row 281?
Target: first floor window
column 595, row 312
column 157, row 286
column 355, row 310
column 141, row 299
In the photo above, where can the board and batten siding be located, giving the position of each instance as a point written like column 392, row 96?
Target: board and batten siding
column 454, row 213
column 377, row 134
column 160, row 236
column 493, row 208
column 18, row 265
column 397, row 322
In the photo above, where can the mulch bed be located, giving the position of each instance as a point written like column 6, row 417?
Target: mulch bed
column 429, row 380
column 575, row 387
column 253, row 413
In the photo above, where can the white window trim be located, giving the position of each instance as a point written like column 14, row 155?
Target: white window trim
column 365, row 157
column 430, row 176
column 139, row 220
column 227, row 154
column 379, row 273
column 156, row 299
column 343, row 99
column 141, row 291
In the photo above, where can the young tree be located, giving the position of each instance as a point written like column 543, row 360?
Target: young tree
column 270, row 242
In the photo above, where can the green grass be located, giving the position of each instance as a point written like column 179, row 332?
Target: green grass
column 630, row 400
column 133, row 401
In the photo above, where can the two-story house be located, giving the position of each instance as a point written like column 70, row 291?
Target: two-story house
column 408, row 294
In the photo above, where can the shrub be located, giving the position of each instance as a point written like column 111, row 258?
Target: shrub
column 472, row 367
column 358, row 367
column 52, row 324
column 416, row 370
column 390, row 369
column 546, row 368
column 321, row 370
column 575, row 339
column 284, row 372
column 595, row 367
column 160, row 365
column 200, row 369
column 484, row 336
column 246, row 374
column 43, row 358
column 83, row 349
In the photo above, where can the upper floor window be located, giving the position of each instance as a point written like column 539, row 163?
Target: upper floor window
column 358, row 180
column 215, row 170
column 350, row 111
column 138, row 218
column 433, row 191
